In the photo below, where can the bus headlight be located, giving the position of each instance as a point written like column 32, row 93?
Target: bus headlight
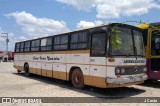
column 144, row 69
column 117, row 71
column 122, row 70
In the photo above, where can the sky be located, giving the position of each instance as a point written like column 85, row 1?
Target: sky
column 27, row 19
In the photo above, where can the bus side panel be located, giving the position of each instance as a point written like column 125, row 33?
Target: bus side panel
column 98, row 76
column 98, row 71
column 111, row 71
column 47, row 70
column 39, row 70
column 80, row 59
column 21, row 61
column 32, row 63
column 36, row 68
column 46, row 65
column 17, row 62
column 59, row 71
column 29, row 60
column 33, row 69
column 84, row 69
column 59, row 65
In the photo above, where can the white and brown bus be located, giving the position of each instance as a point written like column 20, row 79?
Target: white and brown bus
column 105, row 56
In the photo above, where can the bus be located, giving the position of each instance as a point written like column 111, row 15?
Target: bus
column 104, row 56
column 151, row 36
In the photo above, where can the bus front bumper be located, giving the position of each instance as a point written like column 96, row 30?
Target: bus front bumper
column 128, row 79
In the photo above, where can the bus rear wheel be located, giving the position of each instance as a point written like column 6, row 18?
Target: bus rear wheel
column 26, row 70
column 77, row 78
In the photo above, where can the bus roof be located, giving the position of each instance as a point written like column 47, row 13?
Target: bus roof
column 101, row 25
column 143, row 26
column 146, row 26
column 98, row 26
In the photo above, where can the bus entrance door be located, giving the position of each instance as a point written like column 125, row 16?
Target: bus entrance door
column 154, row 71
column 154, row 60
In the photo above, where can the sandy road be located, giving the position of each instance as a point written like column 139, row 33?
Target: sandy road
column 17, row 85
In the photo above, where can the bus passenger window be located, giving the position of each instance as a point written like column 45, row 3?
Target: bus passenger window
column 22, row 47
column 98, row 44
column 35, row 45
column 46, row 44
column 27, row 46
column 79, row 40
column 61, row 42
column 17, row 47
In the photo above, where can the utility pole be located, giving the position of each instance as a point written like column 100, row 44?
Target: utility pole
column 7, row 41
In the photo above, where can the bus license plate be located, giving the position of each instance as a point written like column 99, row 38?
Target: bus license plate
column 136, row 78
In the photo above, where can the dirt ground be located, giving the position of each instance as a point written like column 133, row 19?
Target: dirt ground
column 13, row 84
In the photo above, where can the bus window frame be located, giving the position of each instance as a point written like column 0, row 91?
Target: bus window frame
column 106, row 43
column 27, row 47
column 35, row 46
column 21, row 48
column 16, row 47
column 88, row 40
column 132, row 29
column 67, row 34
column 150, row 30
column 47, row 45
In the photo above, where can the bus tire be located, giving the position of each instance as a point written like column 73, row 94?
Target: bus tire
column 26, row 70
column 77, row 78
column 18, row 71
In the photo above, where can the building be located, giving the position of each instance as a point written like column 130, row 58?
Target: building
column 1, row 54
column 6, row 56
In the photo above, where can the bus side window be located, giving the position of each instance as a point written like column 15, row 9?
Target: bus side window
column 98, row 44
column 22, row 47
column 79, row 40
column 46, row 44
column 27, row 46
column 35, row 45
column 17, row 47
column 61, row 42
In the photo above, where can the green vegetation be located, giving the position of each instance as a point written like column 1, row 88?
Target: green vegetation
column 116, row 41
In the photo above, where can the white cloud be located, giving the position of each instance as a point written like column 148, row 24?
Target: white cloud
column 12, row 40
column 114, row 8
column 85, row 24
column 37, row 27
column 79, row 4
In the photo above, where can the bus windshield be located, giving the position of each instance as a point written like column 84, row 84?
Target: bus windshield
column 155, row 43
column 122, row 42
column 138, row 39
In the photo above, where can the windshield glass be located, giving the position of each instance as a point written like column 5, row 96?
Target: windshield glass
column 155, row 43
column 121, row 41
column 138, row 39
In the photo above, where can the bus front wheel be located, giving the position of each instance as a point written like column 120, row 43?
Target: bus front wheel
column 26, row 70
column 18, row 71
column 77, row 78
